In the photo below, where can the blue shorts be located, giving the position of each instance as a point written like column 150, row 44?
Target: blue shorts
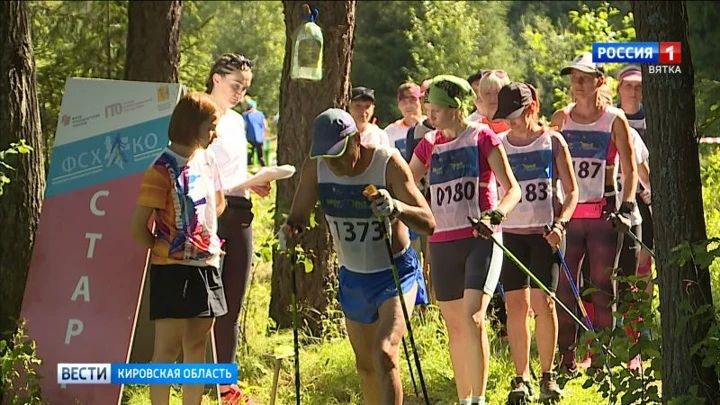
column 413, row 235
column 362, row 294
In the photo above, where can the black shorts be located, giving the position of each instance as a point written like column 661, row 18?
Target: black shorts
column 182, row 292
column 532, row 251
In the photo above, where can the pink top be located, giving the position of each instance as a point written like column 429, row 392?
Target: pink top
column 487, row 193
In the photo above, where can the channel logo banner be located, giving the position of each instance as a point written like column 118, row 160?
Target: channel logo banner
column 86, row 274
column 626, row 52
column 146, row 374
column 653, row 53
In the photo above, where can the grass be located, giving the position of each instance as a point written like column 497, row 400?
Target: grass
column 327, row 368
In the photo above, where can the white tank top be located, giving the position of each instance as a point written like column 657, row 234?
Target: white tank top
column 533, row 168
column 455, row 181
column 355, row 229
column 592, row 151
column 397, row 135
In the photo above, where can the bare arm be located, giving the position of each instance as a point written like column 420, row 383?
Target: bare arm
column 418, row 169
column 220, row 202
column 414, row 210
column 621, row 136
column 306, row 195
column 557, row 120
column 563, row 160
column 644, row 174
column 503, row 172
column 139, row 226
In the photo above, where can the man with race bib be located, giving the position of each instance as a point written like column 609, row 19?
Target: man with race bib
column 339, row 169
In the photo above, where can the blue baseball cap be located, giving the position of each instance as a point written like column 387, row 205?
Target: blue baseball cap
column 332, row 130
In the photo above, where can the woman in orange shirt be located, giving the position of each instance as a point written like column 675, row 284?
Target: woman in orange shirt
column 182, row 193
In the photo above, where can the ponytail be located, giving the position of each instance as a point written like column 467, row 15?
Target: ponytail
column 536, row 99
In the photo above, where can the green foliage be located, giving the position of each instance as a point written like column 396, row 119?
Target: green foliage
column 19, row 382
column 704, row 30
column 458, row 38
column 381, row 56
column 74, row 39
column 14, row 149
column 710, row 175
column 255, row 29
column 635, row 313
column 549, row 48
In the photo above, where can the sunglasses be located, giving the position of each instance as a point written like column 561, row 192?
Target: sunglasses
column 239, row 61
column 499, row 73
column 364, row 92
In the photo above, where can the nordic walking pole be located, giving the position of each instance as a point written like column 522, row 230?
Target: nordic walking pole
column 296, row 339
column 635, row 238
column 642, row 245
column 475, row 223
column 574, row 288
column 576, row 292
column 369, row 191
column 412, row 374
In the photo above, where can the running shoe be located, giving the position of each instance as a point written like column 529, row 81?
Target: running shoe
column 521, row 391
column 549, row 389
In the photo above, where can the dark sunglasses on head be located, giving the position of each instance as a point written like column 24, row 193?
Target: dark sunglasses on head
column 238, row 61
column 499, row 73
column 363, row 92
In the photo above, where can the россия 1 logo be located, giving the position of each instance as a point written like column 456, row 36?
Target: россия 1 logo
column 662, row 57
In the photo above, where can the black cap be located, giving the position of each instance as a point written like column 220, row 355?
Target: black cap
column 362, row 93
column 512, row 100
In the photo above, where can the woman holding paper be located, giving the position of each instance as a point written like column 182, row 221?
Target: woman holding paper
column 229, row 79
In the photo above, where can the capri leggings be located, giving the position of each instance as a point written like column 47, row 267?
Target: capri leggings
column 234, row 227
column 532, row 250
column 598, row 242
column 465, row 264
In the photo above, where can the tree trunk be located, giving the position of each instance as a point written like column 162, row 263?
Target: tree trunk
column 670, row 104
column 300, row 103
column 153, row 54
column 19, row 119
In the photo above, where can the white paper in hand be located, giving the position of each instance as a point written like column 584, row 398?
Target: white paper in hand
column 265, row 175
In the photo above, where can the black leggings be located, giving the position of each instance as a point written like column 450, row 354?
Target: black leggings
column 597, row 242
column 234, row 227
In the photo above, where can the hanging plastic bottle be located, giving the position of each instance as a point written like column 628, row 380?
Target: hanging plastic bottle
column 307, row 61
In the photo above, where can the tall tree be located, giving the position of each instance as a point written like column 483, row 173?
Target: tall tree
column 671, row 125
column 19, row 120
column 153, row 54
column 300, row 103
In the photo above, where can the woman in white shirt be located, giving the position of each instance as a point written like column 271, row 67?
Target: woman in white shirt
column 229, row 79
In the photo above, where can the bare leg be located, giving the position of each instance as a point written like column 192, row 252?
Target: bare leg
column 168, row 342
column 518, row 306
column 197, row 331
column 546, row 327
